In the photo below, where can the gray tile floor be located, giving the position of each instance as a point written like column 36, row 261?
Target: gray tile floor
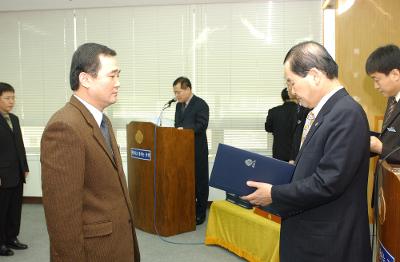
column 152, row 248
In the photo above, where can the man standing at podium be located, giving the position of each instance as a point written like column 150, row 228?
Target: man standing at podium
column 383, row 66
column 85, row 197
column 324, row 209
column 192, row 112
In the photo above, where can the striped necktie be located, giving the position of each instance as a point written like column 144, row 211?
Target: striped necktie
column 307, row 126
column 391, row 106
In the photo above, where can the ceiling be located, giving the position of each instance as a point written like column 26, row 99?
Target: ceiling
column 19, row 5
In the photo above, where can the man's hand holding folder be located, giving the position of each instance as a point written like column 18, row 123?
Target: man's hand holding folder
column 262, row 195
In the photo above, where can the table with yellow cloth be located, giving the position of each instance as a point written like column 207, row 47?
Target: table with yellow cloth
column 242, row 232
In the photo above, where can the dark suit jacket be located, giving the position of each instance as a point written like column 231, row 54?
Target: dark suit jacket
column 325, row 206
column 196, row 117
column 390, row 136
column 281, row 122
column 13, row 162
column 390, row 139
column 85, row 197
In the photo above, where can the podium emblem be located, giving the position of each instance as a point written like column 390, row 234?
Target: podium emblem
column 139, row 137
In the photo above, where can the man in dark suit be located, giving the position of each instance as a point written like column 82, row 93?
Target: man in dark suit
column 13, row 170
column 383, row 66
column 192, row 112
column 281, row 122
column 88, row 211
column 324, row 208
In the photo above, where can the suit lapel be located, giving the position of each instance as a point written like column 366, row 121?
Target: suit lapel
column 320, row 117
column 189, row 107
column 93, row 124
column 118, row 163
column 4, row 123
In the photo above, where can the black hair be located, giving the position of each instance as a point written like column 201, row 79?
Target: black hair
column 86, row 59
column 285, row 94
column 4, row 87
column 383, row 60
column 184, row 81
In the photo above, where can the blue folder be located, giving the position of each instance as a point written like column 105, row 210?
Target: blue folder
column 233, row 167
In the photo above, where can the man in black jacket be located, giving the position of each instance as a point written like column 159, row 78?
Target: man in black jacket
column 192, row 112
column 281, row 122
column 13, row 170
column 383, row 66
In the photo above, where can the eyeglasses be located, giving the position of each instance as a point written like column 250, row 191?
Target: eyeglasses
column 8, row 98
column 289, row 83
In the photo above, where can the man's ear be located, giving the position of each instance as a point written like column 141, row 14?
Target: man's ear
column 84, row 79
column 395, row 75
column 315, row 75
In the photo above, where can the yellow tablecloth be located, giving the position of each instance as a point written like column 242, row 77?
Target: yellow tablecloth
column 242, row 232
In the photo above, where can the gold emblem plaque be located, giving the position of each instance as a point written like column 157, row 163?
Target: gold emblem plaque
column 139, row 137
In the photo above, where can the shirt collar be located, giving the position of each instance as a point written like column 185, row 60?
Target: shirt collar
column 324, row 99
column 98, row 115
column 397, row 97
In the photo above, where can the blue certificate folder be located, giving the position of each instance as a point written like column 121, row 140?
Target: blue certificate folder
column 233, row 167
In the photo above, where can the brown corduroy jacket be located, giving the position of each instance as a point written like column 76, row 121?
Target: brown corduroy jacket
column 88, row 211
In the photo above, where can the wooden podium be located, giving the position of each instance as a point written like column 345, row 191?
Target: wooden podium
column 389, row 212
column 161, row 178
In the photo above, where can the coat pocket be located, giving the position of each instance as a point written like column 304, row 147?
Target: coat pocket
column 97, row 229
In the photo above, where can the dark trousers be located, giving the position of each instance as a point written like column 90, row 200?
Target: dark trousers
column 201, row 188
column 10, row 212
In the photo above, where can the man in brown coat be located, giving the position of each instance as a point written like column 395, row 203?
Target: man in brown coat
column 88, row 212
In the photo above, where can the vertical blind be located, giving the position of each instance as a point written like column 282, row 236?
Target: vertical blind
column 233, row 54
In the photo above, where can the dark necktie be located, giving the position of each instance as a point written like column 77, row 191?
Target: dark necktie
column 391, row 107
column 106, row 133
column 8, row 120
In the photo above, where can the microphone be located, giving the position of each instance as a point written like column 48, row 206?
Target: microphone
column 173, row 100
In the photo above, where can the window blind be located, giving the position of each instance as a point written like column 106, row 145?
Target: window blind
column 232, row 53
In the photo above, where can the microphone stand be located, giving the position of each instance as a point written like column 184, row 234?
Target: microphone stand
column 167, row 105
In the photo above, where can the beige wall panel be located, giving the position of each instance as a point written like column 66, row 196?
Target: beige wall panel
column 366, row 25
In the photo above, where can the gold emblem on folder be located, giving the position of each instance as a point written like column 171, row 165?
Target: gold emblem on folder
column 139, row 137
